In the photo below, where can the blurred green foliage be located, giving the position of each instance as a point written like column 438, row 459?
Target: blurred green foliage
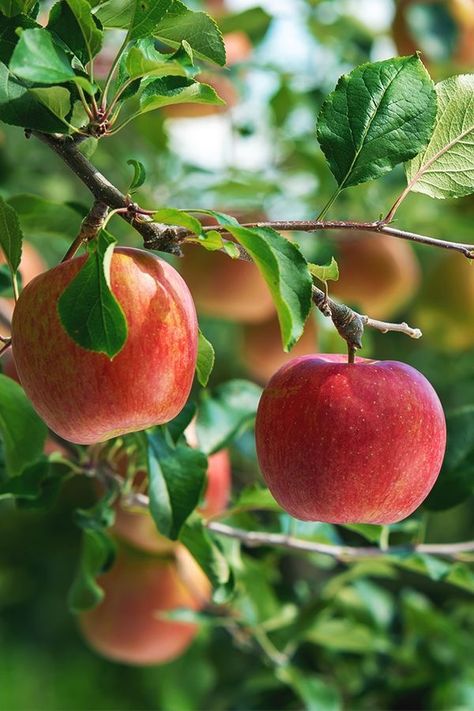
column 369, row 636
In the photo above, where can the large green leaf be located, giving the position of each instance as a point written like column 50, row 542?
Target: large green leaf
column 11, row 236
column 73, row 23
column 89, row 311
column 176, row 90
column 57, row 100
column 224, row 411
column 197, row 28
column 36, row 58
column 446, row 168
column 9, row 36
column 44, row 217
column 286, row 272
column 456, row 480
column 146, row 16
column 19, row 107
column 115, row 13
column 176, row 481
column 143, row 59
column 22, row 431
column 379, row 115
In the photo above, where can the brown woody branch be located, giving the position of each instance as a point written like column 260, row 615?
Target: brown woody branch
column 168, row 239
column 155, row 236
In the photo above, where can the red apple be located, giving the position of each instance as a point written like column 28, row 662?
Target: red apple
column 84, row 396
column 349, row 443
column 127, row 627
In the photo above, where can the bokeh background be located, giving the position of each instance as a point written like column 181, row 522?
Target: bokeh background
column 368, row 636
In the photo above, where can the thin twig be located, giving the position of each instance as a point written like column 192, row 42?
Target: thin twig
column 379, row 227
column 256, row 538
column 385, row 327
column 90, row 227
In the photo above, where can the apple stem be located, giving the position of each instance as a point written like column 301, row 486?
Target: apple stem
column 351, row 352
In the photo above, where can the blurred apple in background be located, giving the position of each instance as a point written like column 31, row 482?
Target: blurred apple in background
column 445, row 309
column 262, row 350
column 378, row 274
column 126, row 627
column 32, row 264
column 442, row 29
column 223, row 287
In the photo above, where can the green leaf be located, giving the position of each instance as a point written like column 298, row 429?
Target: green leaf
column 115, row 13
column 15, row 7
column 455, row 483
column 97, row 556
column 286, row 272
column 176, row 475
column 205, row 360
column 57, row 100
column 88, row 310
column 74, row 24
column 379, row 115
column 19, row 107
column 176, row 90
column 197, row 28
column 44, row 217
column 255, row 498
column 36, row 58
column 9, row 36
column 143, row 59
column 208, row 553
column 146, row 16
column 27, row 486
column 139, row 174
column 368, row 531
column 224, row 411
column 254, row 22
column 314, row 692
column 22, row 431
column 446, row 168
column 327, row 272
column 178, row 425
column 171, row 216
column 11, row 236
column 345, row 635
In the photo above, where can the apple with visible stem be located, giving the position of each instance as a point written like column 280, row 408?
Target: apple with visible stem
column 377, row 274
column 126, row 627
column 349, row 443
column 262, row 350
column 84, row 396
